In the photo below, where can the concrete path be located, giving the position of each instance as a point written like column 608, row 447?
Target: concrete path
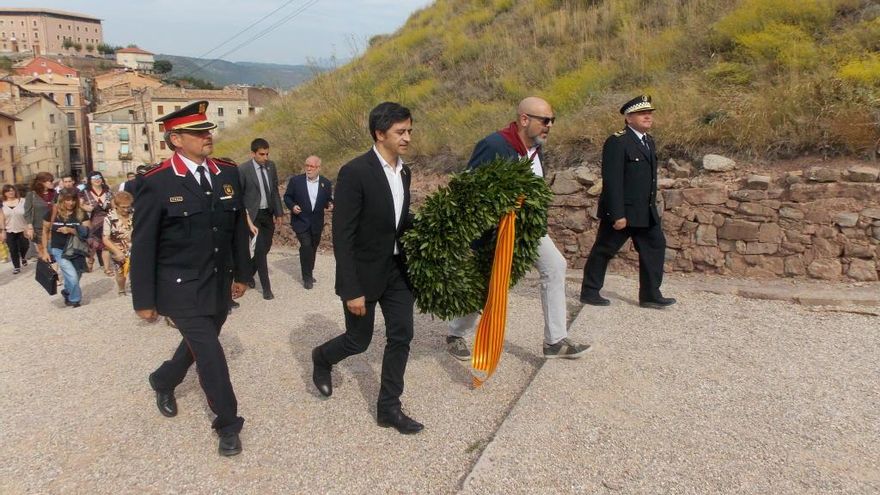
column 719, row 394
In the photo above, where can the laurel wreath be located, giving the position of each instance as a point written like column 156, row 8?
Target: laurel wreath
column 451, row 247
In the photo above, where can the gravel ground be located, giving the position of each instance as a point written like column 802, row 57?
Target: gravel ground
column 718, row 395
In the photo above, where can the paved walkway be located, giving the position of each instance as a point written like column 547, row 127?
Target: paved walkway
column 719, row 394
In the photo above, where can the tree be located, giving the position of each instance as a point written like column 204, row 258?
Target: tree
column 105, row 49
column 90, row 47
column 162, row 66
column 67, row 43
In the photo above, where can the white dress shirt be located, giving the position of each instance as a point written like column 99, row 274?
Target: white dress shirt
column 537, row 168
column 192, row 166
column 395, row 181
column 312, row 186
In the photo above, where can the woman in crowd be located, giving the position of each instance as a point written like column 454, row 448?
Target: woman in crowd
column 117, row 236
column 95, row 200
column 39, row 200
column 68, row 219
column 13, row 227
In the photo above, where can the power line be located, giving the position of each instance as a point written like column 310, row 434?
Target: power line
column 259, row 35
column 236, row 35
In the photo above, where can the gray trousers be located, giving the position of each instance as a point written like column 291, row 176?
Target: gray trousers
column 551, row 266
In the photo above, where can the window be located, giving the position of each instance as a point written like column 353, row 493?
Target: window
column 71, row 134
column 160, row 109
column 35, row 143
column 71, row 119
column 124, row 149
column 102, row 166
column 74, row 155
column 99, row 147
column 221, row 125
column 123, row 134
column 98, row 130
column 51, row 118
column 36, row 35
column 33, row 125
column 219, row 111
column 176, row 107
column 9, row 129
column 162, row 145
column 239, row 111
column 68, row 99
column 144, row 131
column 161, row 127
column 146, row 147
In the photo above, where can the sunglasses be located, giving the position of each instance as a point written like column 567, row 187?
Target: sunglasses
column 544, row 120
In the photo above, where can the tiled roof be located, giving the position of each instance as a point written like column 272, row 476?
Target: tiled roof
column 175, row 93
column 133, row 49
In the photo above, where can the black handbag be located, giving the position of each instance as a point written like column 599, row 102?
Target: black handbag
column 75, row 247
column 47, row 277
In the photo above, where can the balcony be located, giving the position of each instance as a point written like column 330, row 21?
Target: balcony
column 126, row 157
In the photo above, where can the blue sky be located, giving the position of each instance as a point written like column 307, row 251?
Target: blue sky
column 192, row 28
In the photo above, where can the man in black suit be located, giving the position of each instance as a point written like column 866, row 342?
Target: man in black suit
column 307, row 196
column 627, row 208
column 259, row 183
column 372, row 213
column 190, row 242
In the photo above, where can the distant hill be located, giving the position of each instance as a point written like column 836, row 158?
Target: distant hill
column 221, row 72
column 756, row 79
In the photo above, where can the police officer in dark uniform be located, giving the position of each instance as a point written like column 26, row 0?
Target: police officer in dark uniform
column 190, row 241
column 627, row 208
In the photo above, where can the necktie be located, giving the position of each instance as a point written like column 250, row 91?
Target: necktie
column 645, row 141
column 203, row 179
column 266, row 186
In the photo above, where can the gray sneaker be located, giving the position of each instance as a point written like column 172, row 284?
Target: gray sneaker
column 457, row 347
column 565, row 349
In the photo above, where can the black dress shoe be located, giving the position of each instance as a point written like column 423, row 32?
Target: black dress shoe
column 399, row 421
column 594, row 300
column 267, row 295
column 229, row 444
column 165, row 400
column 658, row 303
column 321, row 373
column 308, row 284
column 252, row 284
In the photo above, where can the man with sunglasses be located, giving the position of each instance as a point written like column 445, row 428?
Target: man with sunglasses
column 525, row 137
column 628, row 208
column 190, row 241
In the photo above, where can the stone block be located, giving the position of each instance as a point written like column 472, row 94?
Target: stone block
column 707, row 255
column 859, row 250
column 822, row 174
column 689, row 227
column 794, row 266
column 759, row 182
column 756, row 209
column 748, row 195
column 702, row 215
column 717, row 220
column 665, row 183
column 585, row 176
column 792, row 247
column 726, row 245
column 735, row 263
column 862, row 270
column 575, row 220
column 707, row 235
column 826, row 232
column 846, row 219
column 680, row 170
column 856, row 190
column 595, row 189
column 718, row 163
column 825, row 269
column 705, row 195
column 824, row 248
column 860, row 173
column 739, row 230
column 770, row 232
column 872, row 213
column 772, row 203
column 792, row 213
column 731, row 203
column 672, row 222
column 565, row 183
column 756, row 248
column 672, row 198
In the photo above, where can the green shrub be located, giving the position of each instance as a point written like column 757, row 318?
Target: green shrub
column 865, row 71
column 730, row 73
column 780, row 44
column 575, row 87
column 754, row 15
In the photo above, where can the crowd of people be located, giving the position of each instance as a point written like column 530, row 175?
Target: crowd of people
column 192, row 233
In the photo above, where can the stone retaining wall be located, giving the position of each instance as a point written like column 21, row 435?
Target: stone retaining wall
column 820, row 222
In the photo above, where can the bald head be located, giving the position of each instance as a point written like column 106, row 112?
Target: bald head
column 312, row 166
column 534, row 118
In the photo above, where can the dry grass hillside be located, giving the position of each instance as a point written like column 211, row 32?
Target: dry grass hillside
column 758, row 79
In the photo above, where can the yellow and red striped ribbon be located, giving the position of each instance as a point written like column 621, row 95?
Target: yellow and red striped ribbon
column 489, row 339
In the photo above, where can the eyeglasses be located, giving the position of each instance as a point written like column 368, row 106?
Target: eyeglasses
column 544, row 120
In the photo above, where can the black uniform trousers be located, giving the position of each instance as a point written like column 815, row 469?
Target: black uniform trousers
column 651, row 246
column 308, row 249
column 265, row 222
column 396, row 303
column 201, row 343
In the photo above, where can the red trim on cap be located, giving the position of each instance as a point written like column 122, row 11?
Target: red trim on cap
column 171, row 124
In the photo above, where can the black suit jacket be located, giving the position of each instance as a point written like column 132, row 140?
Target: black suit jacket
column 629, row 180
column 364, row 233
column 250, row 185
column 187, row 247
column 297, row 193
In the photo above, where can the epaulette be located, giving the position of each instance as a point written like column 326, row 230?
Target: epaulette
column 224, row 161
column 157, row 167
column 620, row 132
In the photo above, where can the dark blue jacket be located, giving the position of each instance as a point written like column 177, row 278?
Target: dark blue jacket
column 297, row 193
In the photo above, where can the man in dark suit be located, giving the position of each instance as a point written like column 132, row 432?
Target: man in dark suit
column 190, row 242
column 307, row 196
column 627, row 208
column 259, row 183
column 525, row 137
column 372, row 213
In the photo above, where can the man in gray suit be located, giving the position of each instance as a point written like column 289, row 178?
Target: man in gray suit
column 259, row 181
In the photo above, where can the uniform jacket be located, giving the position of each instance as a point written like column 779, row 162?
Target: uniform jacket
column 188, row 246
column 629, row 180
column 364, row 233
column 251, row 186
column 297, row 193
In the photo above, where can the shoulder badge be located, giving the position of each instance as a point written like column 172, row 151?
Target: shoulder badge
column 226, row 162
column 157, row 167
column 620, row 132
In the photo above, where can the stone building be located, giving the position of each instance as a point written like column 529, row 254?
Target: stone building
column 7, row 148
column 41, row 137
column 135, row 58
column 50, row 32
column 115, row 86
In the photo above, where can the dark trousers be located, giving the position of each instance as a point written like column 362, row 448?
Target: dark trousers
column 397, row 308
column 201, row 344
column 266, row 223
column 308, row 249
column 651, row 246
column 18, row 247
